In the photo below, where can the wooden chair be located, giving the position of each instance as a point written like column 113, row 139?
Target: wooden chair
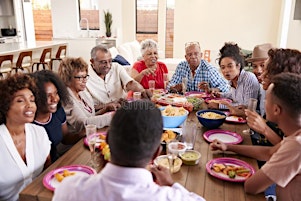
column 44, row 60
column 60, row 54
column 6, row 64
column 24, row 61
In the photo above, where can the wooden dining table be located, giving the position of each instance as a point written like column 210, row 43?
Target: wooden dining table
column 194, row 178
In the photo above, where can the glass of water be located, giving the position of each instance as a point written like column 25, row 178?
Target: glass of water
column 252, row 105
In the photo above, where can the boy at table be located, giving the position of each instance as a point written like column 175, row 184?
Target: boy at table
column 283, row 166
column 134, row 138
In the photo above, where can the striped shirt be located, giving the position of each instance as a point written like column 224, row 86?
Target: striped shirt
column 247, row 87
column 204, row 73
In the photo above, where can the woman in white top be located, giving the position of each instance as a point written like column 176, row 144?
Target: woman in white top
column 24, row 147
column 74, row 73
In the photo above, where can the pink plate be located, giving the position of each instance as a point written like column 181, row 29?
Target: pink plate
column 227, row 137
column 197, row 94
column 228, row 161
column 224, row 99
column 50, row 182
column 235, row 119
column 98, row 140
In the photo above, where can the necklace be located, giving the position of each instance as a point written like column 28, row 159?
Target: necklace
column 18, row 139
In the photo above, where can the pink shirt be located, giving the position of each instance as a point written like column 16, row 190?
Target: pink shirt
column 159, row 81
column 284, row 168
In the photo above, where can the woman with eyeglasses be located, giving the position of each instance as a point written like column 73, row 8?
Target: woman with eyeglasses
column 52, row 95
column 81, row 111
column 149, row 68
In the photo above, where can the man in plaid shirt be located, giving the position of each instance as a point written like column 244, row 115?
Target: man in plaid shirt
column 199, row 73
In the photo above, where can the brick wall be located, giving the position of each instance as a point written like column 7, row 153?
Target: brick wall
column 42, row 24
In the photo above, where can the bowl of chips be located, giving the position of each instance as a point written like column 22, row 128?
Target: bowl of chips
column 173, row 117
column 211, row 119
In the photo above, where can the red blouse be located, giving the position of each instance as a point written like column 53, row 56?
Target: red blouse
column 158, row 77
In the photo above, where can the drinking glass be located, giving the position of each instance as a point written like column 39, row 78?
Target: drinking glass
column 173, row 148
column 189, row 131
column 165, row 80
column 252, row 105
column 151, row 85
column 137, row 95
column 91, row 138
column 184, row 84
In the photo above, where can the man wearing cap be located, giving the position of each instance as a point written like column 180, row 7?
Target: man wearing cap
column 258, row 59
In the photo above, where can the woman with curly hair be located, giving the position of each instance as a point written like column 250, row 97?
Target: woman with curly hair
column 244, row 85
column 81, row 111
column 24, row 147
column 52, row 95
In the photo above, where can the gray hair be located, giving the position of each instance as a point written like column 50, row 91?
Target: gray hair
column 148, row 44
column 97, row 48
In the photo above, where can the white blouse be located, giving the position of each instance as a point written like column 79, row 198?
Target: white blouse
column 15, row 173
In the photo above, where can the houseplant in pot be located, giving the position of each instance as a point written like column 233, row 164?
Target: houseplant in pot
column 108, row 22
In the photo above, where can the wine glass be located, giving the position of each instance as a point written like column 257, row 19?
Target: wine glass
column 184, row 84
column 174, row 148
column 91, row 138
column 252, row 105
column 165, row 80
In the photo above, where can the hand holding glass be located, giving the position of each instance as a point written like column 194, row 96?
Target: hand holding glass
column 173, row 148
column 252, row 105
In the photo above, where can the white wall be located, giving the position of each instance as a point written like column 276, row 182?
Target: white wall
column 247, row 22
column 294, row 31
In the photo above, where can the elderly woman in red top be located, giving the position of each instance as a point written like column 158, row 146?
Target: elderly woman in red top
column 149, row 68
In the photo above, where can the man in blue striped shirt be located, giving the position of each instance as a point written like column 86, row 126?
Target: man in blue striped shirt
column 197, row 71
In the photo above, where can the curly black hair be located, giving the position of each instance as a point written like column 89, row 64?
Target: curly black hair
column 8, row 88
column 44, row 76
column 233, row 51
column 283, row 60
column 287, row 88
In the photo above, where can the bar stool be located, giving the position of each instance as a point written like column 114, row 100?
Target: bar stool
column 24, row 61
column 45, row 60
column 6, row 63
column 60, row 54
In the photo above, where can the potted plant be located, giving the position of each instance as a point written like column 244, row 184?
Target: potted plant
column 108, row 22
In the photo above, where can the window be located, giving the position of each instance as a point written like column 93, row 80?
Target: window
column 147, row 16
column 89, row 14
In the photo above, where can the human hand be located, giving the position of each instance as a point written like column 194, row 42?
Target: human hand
column 113, row 106
column 215, row 94
column 204, row 86
column 176, row 88
column 162, row 175
column 148, row 71
column 218, row 145
column 146, row 94
column 213, row 105
column 255, row 121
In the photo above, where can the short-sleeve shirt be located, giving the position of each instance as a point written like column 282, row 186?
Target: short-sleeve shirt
column 158, row 77
column 53, row 128
column 205, row 72
column 111, row 88
column 284, row 168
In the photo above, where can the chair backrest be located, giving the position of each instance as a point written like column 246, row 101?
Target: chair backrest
column 21, row 63
column 46, row 55
column 61, row 52
column 8, row 58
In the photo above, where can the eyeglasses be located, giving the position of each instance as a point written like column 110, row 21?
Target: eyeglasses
column 81, row 78
column 188, row 44
column 104, row 62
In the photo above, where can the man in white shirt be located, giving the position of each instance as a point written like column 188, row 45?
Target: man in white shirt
column 134, row 138
column 109, row 82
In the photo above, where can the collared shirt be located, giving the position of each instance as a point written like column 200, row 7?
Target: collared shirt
column 120, row 183
column 111, row 88
column 204, row 73
column 247, row 87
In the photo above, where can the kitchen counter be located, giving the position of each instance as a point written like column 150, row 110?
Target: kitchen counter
column 15, row 48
